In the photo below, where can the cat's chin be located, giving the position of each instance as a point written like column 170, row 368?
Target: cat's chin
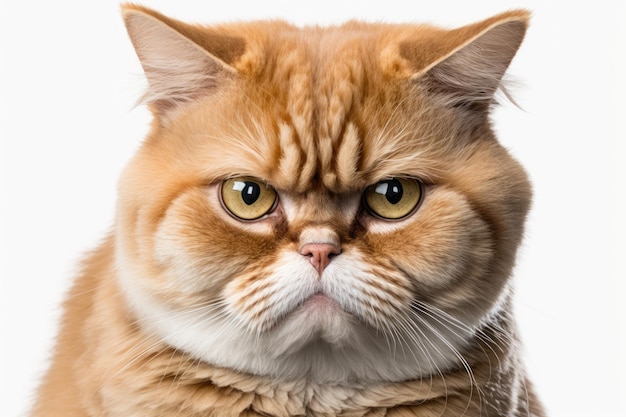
column 319, row 319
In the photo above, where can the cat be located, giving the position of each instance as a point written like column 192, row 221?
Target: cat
column 320, row 222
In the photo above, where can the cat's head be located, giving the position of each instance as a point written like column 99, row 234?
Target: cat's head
column 321, row 202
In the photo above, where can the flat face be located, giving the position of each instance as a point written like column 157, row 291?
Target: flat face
column 320, row 213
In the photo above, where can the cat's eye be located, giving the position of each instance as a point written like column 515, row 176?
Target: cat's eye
column 247, row 198
column 393, row 199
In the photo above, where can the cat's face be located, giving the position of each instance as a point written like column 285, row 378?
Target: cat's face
column 313, row 207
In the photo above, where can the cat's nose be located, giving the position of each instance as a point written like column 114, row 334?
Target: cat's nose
column 320, row 254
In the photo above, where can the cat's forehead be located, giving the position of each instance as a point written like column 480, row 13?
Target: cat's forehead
column 337, row 108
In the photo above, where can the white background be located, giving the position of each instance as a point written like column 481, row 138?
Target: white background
column 68, row 85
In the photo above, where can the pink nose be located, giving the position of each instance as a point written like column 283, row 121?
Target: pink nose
column 320, row 254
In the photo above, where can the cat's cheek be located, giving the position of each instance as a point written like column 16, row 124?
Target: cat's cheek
column 437, row 244
column 199, row 249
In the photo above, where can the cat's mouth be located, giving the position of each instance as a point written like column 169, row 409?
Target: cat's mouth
column 317, row 307
column 320, row 307
column 320, row 300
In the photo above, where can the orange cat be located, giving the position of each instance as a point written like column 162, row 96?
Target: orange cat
column 320, row 223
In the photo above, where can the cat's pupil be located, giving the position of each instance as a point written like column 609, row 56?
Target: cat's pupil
column 392, row 190
column 250, row 193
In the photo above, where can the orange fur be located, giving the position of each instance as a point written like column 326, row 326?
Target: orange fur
column 319, row 114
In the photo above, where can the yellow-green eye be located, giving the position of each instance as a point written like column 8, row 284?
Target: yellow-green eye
column 393, row 199
column 247, row 198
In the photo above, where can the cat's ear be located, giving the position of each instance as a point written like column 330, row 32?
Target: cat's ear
column 464, row 67
column 181, row 61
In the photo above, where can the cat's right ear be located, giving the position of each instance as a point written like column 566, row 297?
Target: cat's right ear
column 181, row 61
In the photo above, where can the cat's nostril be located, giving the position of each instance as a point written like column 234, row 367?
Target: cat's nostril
column 320, row 254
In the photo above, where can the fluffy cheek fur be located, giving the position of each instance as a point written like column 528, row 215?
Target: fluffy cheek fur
column 197, row 250
column 445, row 251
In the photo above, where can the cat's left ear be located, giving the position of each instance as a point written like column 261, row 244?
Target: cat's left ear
column 181, row 61
column 464, row 67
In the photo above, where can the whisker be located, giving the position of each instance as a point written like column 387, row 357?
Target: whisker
column 436, row 313
column 464, row 363
column 418, row 341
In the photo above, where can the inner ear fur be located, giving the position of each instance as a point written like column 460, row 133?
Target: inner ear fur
column 464, row 67
column 181, row 61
